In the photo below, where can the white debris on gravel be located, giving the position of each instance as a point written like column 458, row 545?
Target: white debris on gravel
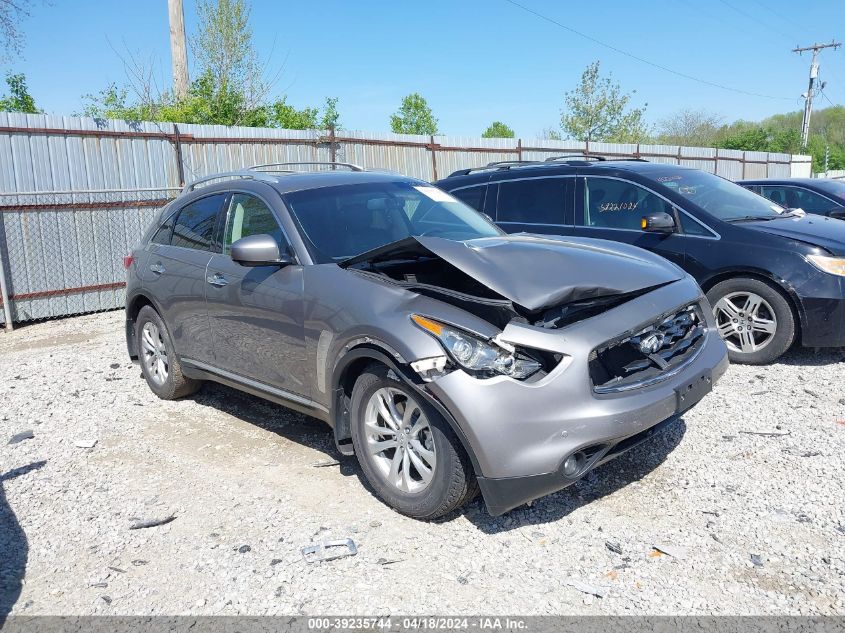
column 760, row 517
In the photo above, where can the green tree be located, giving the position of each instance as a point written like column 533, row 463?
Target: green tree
column 12, row 13
column 286, row 116
column 18, row 99
column 413, row 117
column 598, row 110
column 229, row 88
column 331, row 115
column 497, row 129
column 697, row 128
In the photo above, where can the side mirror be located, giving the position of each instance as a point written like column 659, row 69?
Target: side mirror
column 658, row 223
column 838, row 213
column 259, row 250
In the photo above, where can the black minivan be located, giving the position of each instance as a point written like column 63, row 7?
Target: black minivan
column 773, row 277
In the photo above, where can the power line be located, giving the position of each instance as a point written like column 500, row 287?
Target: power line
column 645, row 61
column 790, row 21
column 753, row 18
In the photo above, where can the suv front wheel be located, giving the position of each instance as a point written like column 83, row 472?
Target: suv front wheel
column 408, row 453
column 753, row 318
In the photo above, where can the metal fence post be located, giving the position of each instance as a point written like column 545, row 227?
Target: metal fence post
column 4, row 295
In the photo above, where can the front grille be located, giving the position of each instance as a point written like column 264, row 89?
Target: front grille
column 650, row 355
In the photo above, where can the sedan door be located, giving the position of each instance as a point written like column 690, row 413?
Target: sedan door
column 613, row 208
column 256, row 313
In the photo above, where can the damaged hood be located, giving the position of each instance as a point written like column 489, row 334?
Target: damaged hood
column 536, row 271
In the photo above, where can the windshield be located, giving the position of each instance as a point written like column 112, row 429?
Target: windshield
column 340, row 222
column 833, row 187
column 719, row 197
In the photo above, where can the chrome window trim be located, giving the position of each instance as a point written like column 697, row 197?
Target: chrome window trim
column 715, row 236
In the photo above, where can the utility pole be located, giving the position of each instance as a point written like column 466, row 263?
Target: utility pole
column 808, row 98
column 178, row 51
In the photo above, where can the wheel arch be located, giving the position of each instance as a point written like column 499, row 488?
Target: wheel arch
column 347, row 370
column 766, row 277
column 133, row 307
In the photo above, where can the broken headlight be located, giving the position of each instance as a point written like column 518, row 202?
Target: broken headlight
column 477, row 355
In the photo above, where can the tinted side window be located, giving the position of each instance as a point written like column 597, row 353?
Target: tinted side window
column 532, row 201
column 691, row 227
column 473, row 196
column 618, row 204
column 162, row 236
column 194, row 227
column 247, row 216
column 795, row 197
column 775, row 194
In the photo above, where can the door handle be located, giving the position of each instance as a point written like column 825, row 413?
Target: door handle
column 157, row 268
column 217, row 280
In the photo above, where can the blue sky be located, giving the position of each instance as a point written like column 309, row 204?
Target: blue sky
column 475, row 61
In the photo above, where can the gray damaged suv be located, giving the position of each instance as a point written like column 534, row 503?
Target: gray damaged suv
column 445, row 355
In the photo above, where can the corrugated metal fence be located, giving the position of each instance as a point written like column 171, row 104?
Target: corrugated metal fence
column 77, row 193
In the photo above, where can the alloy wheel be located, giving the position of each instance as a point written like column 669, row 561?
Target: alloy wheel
column 155, row 353
column 746, row 321
column 399, row 440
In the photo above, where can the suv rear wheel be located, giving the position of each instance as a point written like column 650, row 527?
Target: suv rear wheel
column 159, row 363
column 753, row 318
column 409, row 454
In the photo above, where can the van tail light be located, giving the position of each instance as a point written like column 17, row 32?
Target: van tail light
column 127, row 261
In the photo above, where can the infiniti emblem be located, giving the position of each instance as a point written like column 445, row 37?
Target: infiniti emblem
column 652, row 343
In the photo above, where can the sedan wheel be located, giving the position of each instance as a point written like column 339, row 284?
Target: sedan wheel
column 399, row 440
column 746, row 321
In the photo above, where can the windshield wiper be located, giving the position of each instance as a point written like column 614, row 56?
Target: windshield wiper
column 754, row 218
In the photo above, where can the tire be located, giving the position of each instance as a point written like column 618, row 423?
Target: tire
column 451, row 481
column 772, row 321
column 159, row 362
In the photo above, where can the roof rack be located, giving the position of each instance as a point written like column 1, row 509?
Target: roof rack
column 350, row 166
column 552, row 159
column 499, row 164
column 246, row 175
column 253, row 173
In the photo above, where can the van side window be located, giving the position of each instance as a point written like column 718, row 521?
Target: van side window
column 473, row 196
column 194, row 227
column 619, row 204
column 532, row 201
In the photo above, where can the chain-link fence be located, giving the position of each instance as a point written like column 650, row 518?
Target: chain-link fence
column 61, row 252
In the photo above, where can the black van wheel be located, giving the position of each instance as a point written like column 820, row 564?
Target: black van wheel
column 753, row 318
column 408, row 453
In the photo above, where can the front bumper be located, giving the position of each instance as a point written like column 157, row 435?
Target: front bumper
column 520, row 433
column 822, row 298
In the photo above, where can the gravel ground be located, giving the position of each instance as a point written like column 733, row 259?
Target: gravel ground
column 744, row 496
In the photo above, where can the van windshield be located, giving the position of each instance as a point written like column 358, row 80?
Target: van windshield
column 719, row 197
column 340, row 222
